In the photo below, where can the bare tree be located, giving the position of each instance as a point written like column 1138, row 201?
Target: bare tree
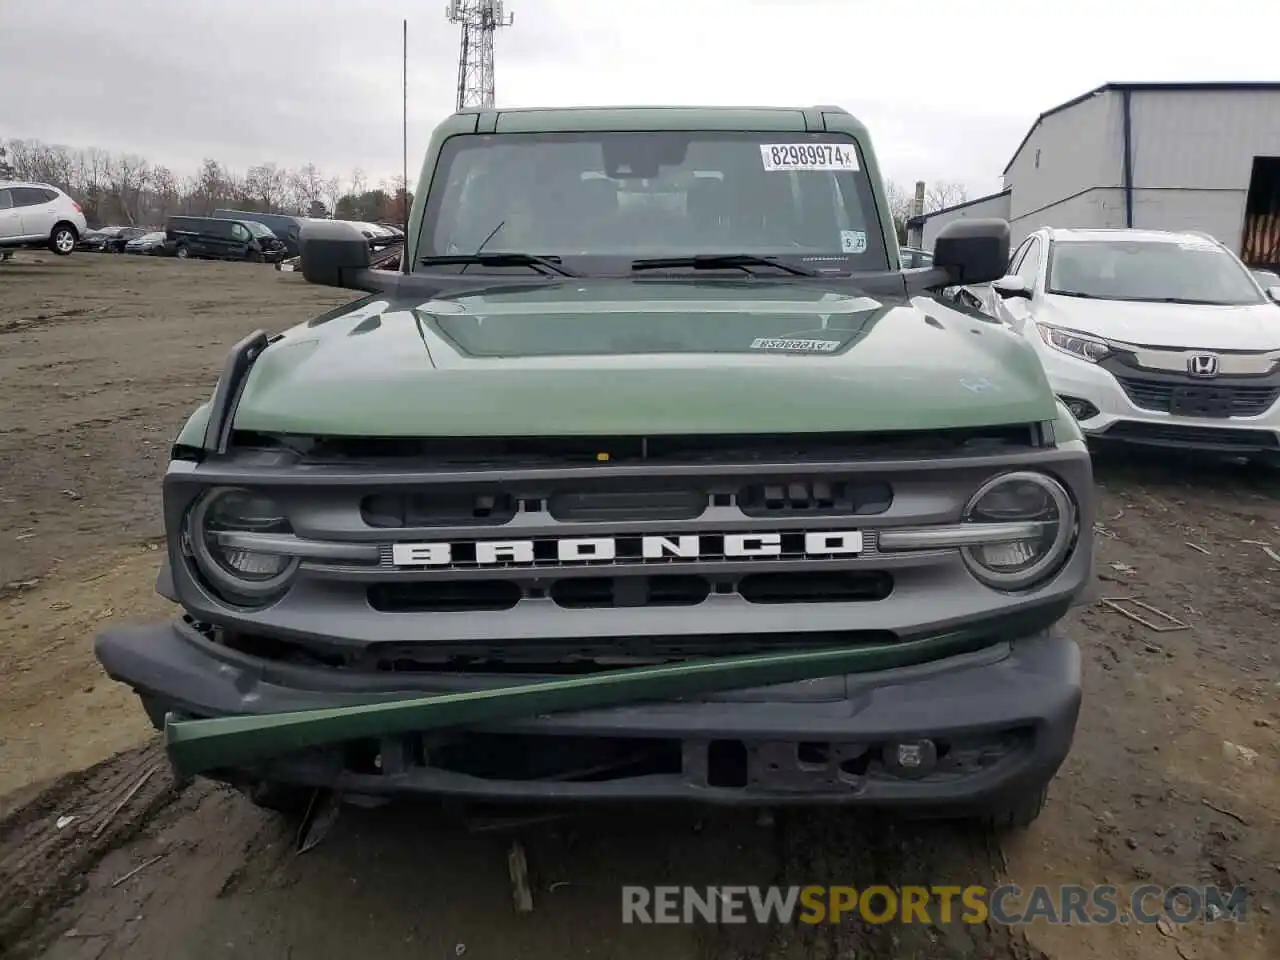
column 331, row 193
column 165, row 190
column 307, row 187
column 125, row 185
column 237, row 190
column 89, row 178
column 127, row 174
column 267, row 183
column 944, row 193
column 900, row 207
column 22, row 159
column 209, row 188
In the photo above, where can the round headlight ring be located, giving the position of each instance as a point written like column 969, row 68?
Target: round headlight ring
column 225, row 581
column 1051, row 559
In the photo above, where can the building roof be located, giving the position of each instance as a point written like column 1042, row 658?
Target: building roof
column 920, row 218
column 1225, row 86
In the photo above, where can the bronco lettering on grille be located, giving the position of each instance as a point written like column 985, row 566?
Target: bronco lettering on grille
column 729, row 546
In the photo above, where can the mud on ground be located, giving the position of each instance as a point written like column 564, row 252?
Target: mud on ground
column 1172, row 779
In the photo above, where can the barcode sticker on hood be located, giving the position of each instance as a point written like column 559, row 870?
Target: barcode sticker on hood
column 803, row 346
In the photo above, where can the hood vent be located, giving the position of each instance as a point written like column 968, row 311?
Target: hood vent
column 533, row 452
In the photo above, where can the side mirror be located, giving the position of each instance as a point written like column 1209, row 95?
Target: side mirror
column 973, row 250
column 1011, row 286
column 334, row 255
column 1274, row 293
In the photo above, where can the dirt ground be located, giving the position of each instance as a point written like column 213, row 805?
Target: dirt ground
column 1173, row 777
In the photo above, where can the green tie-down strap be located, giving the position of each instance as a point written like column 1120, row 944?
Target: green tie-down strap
column 195, row 746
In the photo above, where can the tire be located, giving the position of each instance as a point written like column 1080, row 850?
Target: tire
column 63, row 239
column 182, row 253
column 254, row 256
column 1020, row 812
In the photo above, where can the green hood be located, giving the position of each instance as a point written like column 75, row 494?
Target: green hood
column 634, row 357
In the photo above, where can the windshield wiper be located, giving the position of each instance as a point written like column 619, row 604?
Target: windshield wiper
column 546, row 265
column 720, row 261
column 1191, row 300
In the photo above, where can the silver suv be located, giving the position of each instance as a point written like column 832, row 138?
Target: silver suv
column 39, row 215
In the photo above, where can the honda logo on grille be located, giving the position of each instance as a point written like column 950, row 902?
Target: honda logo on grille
column 1203, row 365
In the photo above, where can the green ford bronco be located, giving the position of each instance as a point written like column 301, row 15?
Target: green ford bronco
column 649, row 474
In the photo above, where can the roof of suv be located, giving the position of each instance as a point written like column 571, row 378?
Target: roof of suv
column 1067, row 234
column 657, row 117
column 4, row 184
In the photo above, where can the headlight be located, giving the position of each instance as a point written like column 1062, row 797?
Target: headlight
column 1077, row 344
column 1042, row 508
column 241, row 575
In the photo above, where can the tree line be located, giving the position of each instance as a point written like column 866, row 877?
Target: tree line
column 127, row 190
column 937, row 196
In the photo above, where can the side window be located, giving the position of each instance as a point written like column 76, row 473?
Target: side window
column 6, row 199
column 28, row 196
column 239, row 232
column 1030, row 266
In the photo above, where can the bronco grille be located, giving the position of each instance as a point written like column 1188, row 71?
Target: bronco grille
column 623, row 502
column 583, row 593
column 758, row 536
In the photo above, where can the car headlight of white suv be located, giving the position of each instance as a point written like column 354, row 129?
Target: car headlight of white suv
column 1079, row 345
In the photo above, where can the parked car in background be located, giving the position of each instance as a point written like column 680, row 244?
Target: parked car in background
column 216, row 238
column 149, row 244
column 39, row 215
column 92, row 239
column 116, row 239
column 913, row 257
column 1150, row 337
column 286, row 228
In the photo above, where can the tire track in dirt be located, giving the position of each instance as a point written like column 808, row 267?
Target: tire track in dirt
column 43, row 864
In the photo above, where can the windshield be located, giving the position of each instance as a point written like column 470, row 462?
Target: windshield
column 803, row 198
column 258, row 229
column 1193, row 271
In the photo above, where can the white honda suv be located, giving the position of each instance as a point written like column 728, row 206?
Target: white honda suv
column 1150, row 337
column 39, row 215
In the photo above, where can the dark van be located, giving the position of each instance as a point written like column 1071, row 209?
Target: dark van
column 218, row 239
column 285, row 227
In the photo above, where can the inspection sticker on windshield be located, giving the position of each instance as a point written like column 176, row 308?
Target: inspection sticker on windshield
column 802, row 346
column 808, row 156
column 853, row 241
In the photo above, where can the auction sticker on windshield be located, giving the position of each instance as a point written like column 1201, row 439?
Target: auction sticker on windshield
column 808, row 156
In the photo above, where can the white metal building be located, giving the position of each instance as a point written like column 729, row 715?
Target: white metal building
column 1162, row 156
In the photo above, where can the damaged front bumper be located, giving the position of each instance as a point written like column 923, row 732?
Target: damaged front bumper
column 939, row 722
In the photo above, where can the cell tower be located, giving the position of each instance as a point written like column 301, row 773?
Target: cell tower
column 479, row 19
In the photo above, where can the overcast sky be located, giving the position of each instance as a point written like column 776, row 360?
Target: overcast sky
column 947, row 89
